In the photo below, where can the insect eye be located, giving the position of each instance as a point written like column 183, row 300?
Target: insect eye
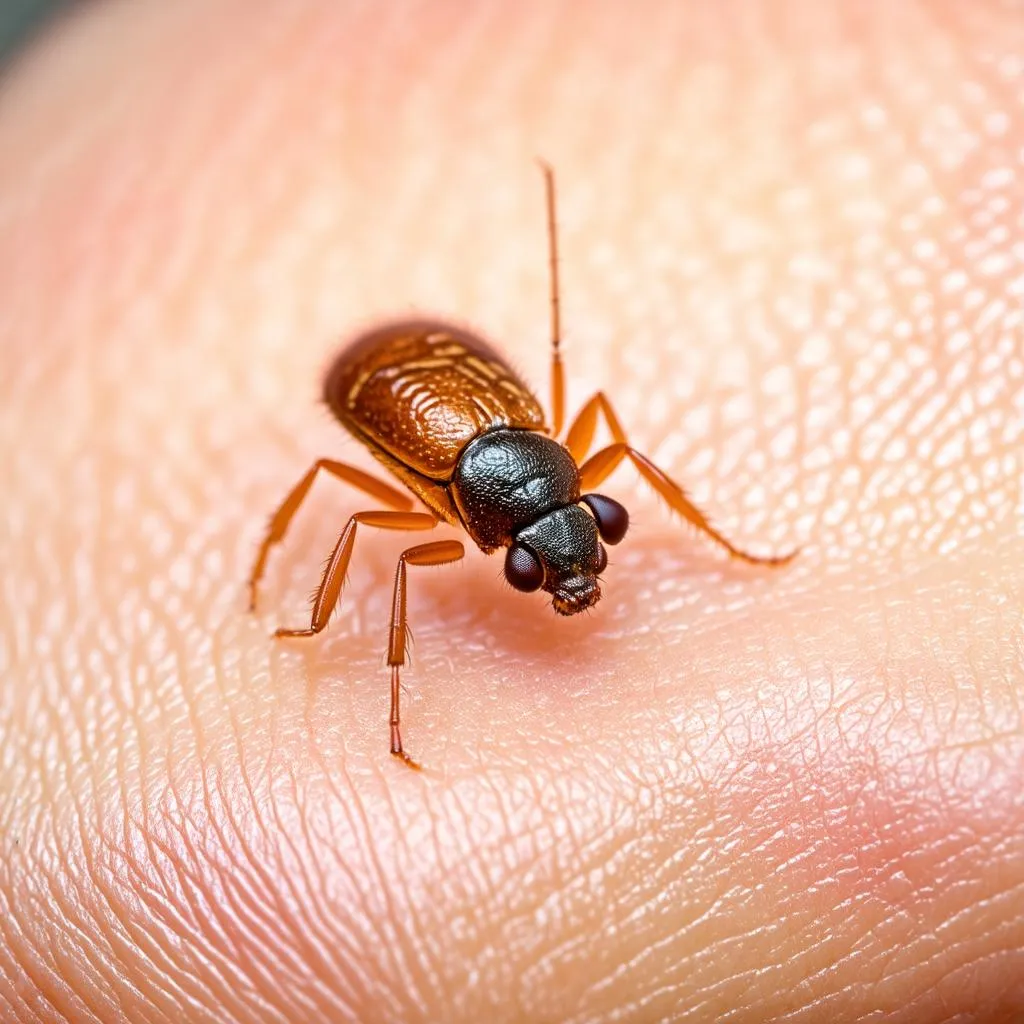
column 612, row 519
column 523, row 569
column 602, row 559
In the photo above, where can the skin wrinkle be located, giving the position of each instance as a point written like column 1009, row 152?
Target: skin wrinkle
column 239, row 923
column 71, row 987
column 148, row 883
column 205, row 894
column 318, row 951
column 398, row 966
column 96, row 952
column 366, row 897
column 333, row 868
column 62, row 890
column 161, row 954
column 781, row 750
column 264, row 904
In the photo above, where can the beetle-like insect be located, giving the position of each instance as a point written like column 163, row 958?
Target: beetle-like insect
column 455, row 424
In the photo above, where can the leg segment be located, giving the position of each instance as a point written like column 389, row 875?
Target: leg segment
column 436, row 553
column 283, row 516
column 337, row 565
column 601, row 465
column 581, row 432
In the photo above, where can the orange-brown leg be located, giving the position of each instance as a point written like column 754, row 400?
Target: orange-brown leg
column 436, row 553
column 604, row 462
column 581, row 431
column 283, row 516
column 337, row 565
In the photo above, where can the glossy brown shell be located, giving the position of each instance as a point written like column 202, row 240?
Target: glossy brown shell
column 422, row 390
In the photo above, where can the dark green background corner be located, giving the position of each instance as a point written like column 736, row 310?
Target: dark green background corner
column 20, row 18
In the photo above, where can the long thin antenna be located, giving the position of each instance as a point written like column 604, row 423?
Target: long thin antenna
column 557, row 373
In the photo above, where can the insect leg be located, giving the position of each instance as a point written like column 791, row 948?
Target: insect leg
column 600, row 465
column 337, row 565
column 581, row 431
column 436, row 553
column 287, row 509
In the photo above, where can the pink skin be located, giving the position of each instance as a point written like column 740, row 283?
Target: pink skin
column 790, row 253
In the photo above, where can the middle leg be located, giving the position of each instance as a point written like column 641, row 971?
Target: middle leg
column 281, row 519
column 333, row 579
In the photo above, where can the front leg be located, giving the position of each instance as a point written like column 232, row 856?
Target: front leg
column 601, row 465
column 581, row 431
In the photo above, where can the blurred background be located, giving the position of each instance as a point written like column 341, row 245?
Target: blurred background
column 20, row 18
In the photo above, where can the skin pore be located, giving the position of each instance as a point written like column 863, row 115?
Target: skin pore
column 790, row 254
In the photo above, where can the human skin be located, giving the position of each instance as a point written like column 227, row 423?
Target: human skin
column 790, row 253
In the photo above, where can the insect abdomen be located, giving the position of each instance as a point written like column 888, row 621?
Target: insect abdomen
column 423, row 390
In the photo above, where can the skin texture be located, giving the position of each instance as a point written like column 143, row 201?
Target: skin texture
column 790, row 239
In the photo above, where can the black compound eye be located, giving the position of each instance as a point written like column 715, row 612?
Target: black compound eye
column 523, row 569
column 602, row 559
column 612, row 518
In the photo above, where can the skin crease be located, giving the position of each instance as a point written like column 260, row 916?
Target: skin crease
column 790, row 252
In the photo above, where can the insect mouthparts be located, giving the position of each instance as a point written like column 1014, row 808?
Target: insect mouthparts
column 568, row 600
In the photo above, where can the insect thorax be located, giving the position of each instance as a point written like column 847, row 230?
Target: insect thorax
column 507, row 478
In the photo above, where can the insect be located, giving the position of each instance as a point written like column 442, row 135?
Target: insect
column 448, row 417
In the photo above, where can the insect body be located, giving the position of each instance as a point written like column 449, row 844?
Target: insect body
column 444, row 413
